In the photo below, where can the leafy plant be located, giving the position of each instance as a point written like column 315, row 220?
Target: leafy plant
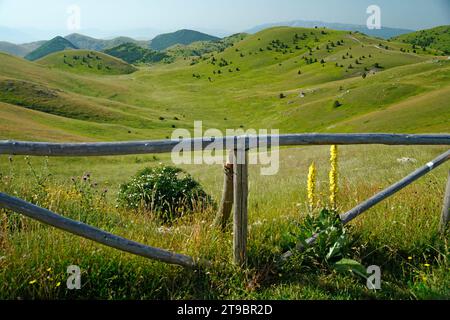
column 332, row 241
column 349, row 265
column 166, row 191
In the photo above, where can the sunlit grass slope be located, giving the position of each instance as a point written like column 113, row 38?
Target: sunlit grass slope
column 83, row 61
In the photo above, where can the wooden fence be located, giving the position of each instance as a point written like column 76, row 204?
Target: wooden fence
column 235, row 194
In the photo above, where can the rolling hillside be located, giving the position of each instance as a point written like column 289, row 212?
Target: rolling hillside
column 199, row 48
column 54, row 45
column 185, row 37
column 83, row 61
column 135, row 54
column 436, row 38
column 285, row 78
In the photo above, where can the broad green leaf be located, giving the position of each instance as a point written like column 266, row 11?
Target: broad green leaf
column 353, row 266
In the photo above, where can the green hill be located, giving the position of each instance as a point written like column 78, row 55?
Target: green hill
column 135, row 54
column 185, row 37
column 436, row 38
column 200, row 48
column 54, row 45
column 89, row 43
column 87, row 62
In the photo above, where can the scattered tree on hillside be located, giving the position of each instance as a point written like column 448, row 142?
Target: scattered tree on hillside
column 336, row 104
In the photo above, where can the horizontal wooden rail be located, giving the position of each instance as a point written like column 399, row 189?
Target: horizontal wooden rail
column 83, row 230
column 164, row 146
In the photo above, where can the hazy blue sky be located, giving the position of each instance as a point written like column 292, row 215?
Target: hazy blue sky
column 225, row 15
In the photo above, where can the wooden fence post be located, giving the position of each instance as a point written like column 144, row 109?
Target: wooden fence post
column 226, row 204
column 446, row 208
column 240, row 203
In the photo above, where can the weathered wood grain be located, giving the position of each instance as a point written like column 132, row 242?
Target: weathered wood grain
column 165, row 146
column 226, row 204
column 240, row 222
column 445, row 208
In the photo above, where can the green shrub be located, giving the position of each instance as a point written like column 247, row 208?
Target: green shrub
column 165, row 191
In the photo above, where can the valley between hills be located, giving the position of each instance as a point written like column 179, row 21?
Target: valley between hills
column 292, row 79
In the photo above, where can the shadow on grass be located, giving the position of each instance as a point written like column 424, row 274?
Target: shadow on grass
column 311, row 273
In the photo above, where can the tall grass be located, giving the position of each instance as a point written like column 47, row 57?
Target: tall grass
column 400, row 235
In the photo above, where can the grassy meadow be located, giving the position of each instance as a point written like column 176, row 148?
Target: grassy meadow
column 268, row 80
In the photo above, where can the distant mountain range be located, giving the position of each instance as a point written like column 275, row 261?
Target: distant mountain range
column 89, row 43
column 75, row 40
column 384, row 33
column 13, row 49
column 39, row 49
column 128, row 49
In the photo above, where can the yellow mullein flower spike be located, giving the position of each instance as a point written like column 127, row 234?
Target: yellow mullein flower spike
column 312, row 185
column 333, row 175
